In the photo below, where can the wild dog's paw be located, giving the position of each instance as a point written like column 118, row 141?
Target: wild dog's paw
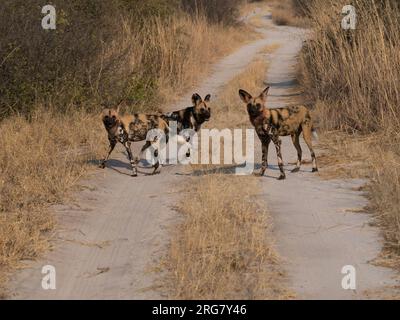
column 297, row 169
column 157, row 168
column 282, row 177
column 314, row 169
column 261, row 172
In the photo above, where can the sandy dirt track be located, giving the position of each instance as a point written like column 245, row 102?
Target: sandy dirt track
column 118, row 226
column 317, row 229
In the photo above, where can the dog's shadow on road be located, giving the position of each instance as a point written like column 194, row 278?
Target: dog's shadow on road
column 120, row 167
column 226, row 170
column 145, row 168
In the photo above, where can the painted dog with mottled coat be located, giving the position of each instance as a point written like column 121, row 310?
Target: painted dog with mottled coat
column 191, row 117
column 130, row 128
column 271, row 124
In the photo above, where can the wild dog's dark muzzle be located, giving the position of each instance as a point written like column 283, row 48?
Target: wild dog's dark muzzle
column 206, row 115
column 253, row 110
column 109, row 122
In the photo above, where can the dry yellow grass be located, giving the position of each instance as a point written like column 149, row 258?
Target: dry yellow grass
column 41, row 160
column 223, row 249
column 186, row 57
column 353, row 77
column 344, row 156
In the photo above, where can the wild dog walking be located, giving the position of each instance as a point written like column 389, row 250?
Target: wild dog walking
column 130, row 128
column 270, row 124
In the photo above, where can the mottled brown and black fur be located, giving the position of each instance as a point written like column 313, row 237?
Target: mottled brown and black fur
column 191, row 117
column 130, row 128
column 270, row 124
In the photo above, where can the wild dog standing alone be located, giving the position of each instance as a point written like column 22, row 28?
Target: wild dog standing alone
column 270, row 124
column 131, row 128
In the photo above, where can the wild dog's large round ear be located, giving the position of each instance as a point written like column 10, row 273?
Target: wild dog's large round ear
column 196, row 99
column 207, row 98
column 264, row 94
column 245, row 96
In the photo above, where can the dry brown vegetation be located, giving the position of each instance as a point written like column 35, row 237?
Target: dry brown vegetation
column 142, row 51
column 353, row 77
column 41, row 159
column 223, row 249
column 287, row 12
column 51, row 85
column 185, row 60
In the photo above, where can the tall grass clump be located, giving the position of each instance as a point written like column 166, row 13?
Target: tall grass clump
column 221, row 250
column 354, row 74
column 353, row 77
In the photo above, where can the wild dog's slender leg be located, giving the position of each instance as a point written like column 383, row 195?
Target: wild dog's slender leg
column 307, row 135
column 296, row 142
column 157, row 147
column 277, row 141
column 265, row 146
column 157, row 164
column 127, row 146
column 265, row 141
column 113, row 143
column 147, row 145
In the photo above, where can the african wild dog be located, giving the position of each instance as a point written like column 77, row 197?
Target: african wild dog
column 191, row 117
column 130, row 128
column 270, row 124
